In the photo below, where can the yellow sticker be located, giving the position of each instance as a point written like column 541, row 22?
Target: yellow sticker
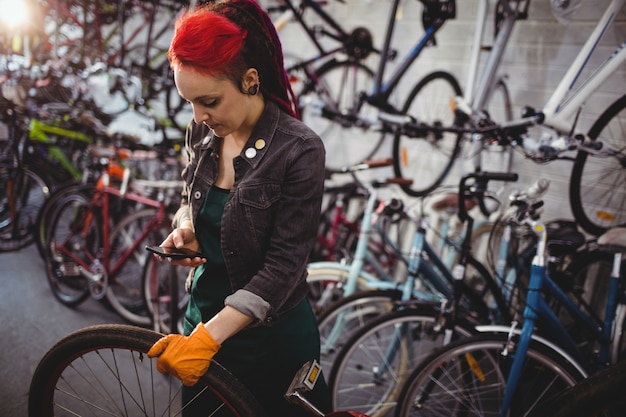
column 259, row 144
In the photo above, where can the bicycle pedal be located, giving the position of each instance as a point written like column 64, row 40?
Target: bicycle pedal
column 305, row 378
column 304, row 381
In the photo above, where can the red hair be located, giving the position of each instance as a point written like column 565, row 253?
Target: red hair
column 227, row 38
column 206, row 42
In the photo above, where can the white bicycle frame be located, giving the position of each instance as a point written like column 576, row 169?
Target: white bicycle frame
column 565, row 100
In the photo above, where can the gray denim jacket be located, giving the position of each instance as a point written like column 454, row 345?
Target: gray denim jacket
column 271, row 218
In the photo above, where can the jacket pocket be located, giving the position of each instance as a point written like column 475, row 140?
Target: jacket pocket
column 256, row 203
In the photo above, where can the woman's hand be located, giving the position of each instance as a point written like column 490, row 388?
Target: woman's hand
column 183, row 237
column 185, row 357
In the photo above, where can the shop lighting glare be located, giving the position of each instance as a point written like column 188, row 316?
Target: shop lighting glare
column 13, row 15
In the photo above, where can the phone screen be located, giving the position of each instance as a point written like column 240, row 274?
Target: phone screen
column 173, row 253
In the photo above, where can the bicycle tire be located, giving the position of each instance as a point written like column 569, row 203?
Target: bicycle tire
column 597, row 185
column 170, row 280
column 357, row 381
column 326, row 285
column 18, row 215
column 497, row 156
column 67, row 232
column 468, row 377
column 46, row 211
column 586, row 280
column 354, row 312
column 428, row 161
column 337, row 85
column 124, row 291
column 124, row 381
column 599, row 395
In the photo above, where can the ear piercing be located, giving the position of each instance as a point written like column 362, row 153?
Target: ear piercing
column 253, row 90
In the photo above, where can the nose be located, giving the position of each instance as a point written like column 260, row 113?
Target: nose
column 199, row 115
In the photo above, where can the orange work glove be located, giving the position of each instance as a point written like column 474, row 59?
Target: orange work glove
column 185, row 357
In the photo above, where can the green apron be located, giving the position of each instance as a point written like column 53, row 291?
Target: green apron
column 263, row 358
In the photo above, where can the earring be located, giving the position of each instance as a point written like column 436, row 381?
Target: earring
column 253, row 89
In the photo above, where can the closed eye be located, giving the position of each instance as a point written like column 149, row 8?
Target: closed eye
column 211, row 103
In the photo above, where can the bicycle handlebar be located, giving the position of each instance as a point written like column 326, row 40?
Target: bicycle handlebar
column 477, row 190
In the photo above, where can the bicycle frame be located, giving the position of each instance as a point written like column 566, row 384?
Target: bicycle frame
column 382, row 89
column 329, row 242
column 101, row 200
column 339, row 33
column 425, row 266
column 537, row 307
column 39, row 132
column 566, row 100
column 382, row 280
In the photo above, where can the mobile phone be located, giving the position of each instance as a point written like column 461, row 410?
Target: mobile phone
column 174, row 253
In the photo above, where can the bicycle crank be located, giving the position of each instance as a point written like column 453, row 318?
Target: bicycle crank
column 98, row 279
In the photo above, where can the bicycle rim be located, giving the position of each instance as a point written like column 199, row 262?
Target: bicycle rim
column 103, row 370
column 125, row 291
column 22, row 194
column 600, row 395
column 428, row 160
column 46, row 212
column 337, row 85
column 72, row 241
column 348, row 315
column 496, row 156
column 370, row 371
column 326, row 286
column 468, row 378
column 163, row 282
column 598, row 183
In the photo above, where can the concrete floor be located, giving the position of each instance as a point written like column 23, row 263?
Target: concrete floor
column 32, row 321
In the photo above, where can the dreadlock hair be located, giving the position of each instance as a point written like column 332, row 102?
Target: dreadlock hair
column 225, row 39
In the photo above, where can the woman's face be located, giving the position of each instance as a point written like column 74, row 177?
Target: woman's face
column 216, row 102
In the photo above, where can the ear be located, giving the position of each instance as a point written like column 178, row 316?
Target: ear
column 250, row 78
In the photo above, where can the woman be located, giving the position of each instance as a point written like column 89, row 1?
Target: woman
column 250, row 205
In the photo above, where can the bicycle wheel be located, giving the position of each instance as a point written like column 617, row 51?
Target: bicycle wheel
column 428, row 160
column 22, row 192
column 127, row 259
column 162, row 283
column 104, row 370
column 497, row 156
column 326, row 285
column 74, row 237
column 337, row 86
column 371, row 369
column 468, row 377
column 586, row 279
column 46, row 211
column 600, row 395
column 348, row 315
column 597, row 188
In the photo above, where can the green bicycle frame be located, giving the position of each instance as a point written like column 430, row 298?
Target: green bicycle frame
column 40, row 131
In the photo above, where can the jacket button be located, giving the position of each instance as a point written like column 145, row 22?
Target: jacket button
column 197, row 195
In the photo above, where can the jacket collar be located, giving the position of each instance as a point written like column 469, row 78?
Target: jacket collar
column 259, row 141
column 262, row 135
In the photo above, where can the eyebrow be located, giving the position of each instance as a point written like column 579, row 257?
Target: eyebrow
column 204, row 97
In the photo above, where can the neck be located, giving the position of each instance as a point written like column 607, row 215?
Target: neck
column 242, row 135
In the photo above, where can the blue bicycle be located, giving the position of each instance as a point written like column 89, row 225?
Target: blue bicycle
column 509, row 371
